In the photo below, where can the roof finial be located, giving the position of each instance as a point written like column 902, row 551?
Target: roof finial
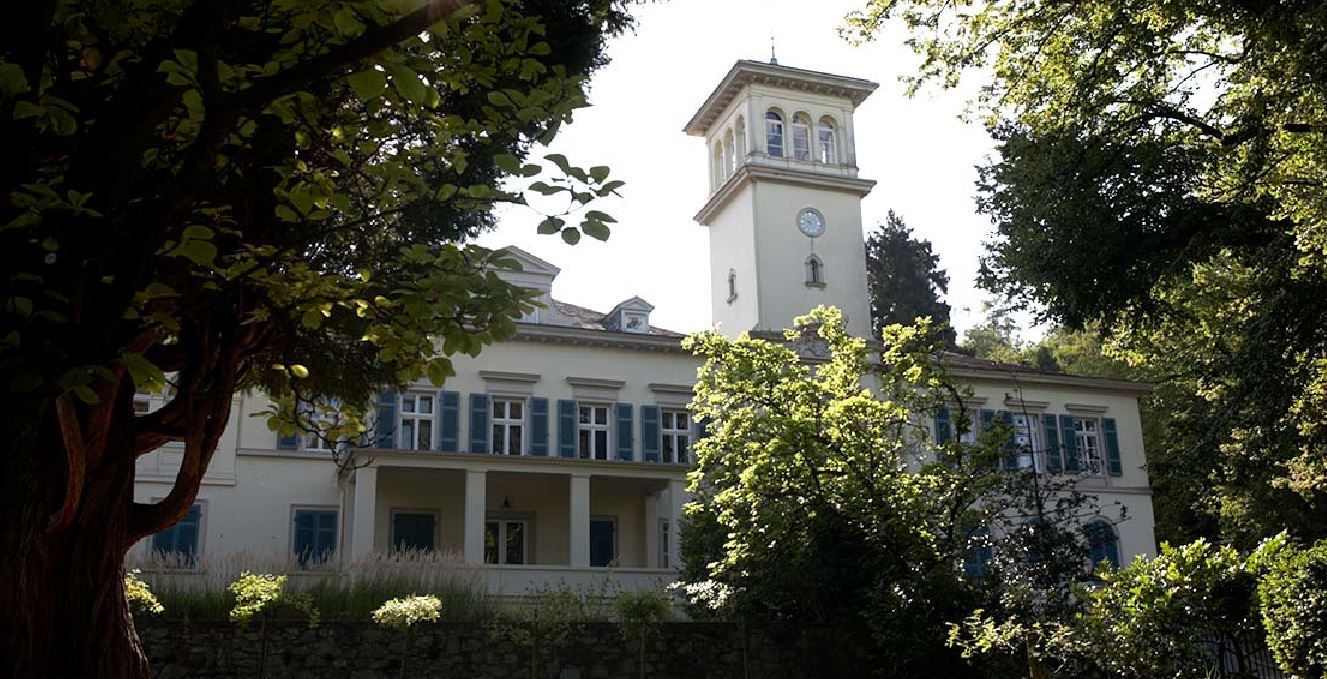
column 772, row 58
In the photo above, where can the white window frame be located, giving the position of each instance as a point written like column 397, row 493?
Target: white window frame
column 1027, row 436
column 643, row 327
column 316, row 441
column 801, row 137
column 1091, row 459
column 674, row 434
column 826, row 148
column 500, row 444
column 593, row 428
column 776, row 128
column 416, row 418
column 502, row 522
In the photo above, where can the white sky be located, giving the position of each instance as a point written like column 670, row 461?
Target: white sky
column 918, row 150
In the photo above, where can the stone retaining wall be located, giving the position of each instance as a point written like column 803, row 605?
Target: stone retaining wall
column 690, row 650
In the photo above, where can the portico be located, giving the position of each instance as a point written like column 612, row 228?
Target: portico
column 498, row 512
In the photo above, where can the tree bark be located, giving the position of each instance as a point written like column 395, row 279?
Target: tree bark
column 62, row 587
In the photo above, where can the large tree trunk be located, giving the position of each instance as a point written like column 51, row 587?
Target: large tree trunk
column 62, row 606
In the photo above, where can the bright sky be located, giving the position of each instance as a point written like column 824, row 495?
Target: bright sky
column 918, row 150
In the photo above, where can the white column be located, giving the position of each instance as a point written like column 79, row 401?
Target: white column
column 652, row 529
column 366, row 512
column 579, row 516
column 677, row 496
column 476, row 504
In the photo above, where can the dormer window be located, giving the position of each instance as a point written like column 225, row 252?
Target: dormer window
column 635, row 321
column 531, row 316
column 774, row 134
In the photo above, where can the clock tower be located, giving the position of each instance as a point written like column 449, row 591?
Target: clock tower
column 784, row 210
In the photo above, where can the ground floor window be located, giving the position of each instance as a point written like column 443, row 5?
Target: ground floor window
column 181, row 540
column 506, row 541
column 414, row 531
column 314, row 535
column 603, row 541
column 1103, row 543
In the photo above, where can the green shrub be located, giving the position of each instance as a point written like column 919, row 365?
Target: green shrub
column 1293, row 594
column 405, row 612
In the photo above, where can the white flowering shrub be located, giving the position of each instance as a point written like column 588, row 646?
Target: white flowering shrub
column 708, row 595
column 405, row 612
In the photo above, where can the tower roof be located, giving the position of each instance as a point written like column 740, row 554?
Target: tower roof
column 746, row 72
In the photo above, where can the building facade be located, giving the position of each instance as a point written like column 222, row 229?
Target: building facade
column 561, row 454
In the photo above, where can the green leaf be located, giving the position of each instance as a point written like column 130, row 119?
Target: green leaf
column 196, row 231
column 598, row 216
column 507, row 163
column 571, row 235
column 286, row 214
column 200, row 252
column 611, row 187
column 559, row 160
column 550, row 225
column 595, row 229
column 599, row 172
column 13, row 82
column 368, row 84
column 145, row 374
column 499, row 99
column 408, row 84
column 546, row 189
column 86, row 395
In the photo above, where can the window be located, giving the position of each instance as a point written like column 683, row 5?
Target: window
column 1103, row 543
column 593, row 431
column 665, row 527
column 635, row 321
column 508, row 426
column 1026, row 429
column 180, row 542
column 815, row 272
column 416, row 422
column 1088, row 442
column 801, row 137
column 828, row 146
column 506, row 541
column 718, row 163
column 531, row 316
column 774, row 134
column 729, row 154
column 314, row 536
column 732, row 286
column 741, row 139
column 323, row 417
column 674, row 426
column 977, row 554
column 414, row 531
column 603, row 541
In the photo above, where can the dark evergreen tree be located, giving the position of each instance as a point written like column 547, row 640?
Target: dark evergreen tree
column 904, row 279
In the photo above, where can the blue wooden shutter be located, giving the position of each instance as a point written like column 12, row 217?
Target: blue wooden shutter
column 626, row 434
column 649, row 433
column 539, row 426
column 1009, row 456
column 449, row 422
column 288, row 442
column 1052, row 431
column 1070, row 444
column 988, row 423
column 479, row 423
column 944, row 428
column 1112, row 447
column 384, row 422
column 567, row 428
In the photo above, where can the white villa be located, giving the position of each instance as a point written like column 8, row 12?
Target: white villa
column 561, row 455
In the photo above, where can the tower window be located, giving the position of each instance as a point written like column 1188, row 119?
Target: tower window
column 828, row 146
column 741, row 138
column 802, row 137
column 815, row 272
column 732, row 286
column 774, row 134
column 718, row 163
column 729, row 158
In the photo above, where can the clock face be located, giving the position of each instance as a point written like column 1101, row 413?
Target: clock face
column 810, row 222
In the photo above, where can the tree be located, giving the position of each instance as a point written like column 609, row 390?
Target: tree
column 1160, row 172
column 904, row 280
column 230, row 196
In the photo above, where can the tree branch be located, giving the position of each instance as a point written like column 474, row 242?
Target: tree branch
column 76, row 463
column 366, row 45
